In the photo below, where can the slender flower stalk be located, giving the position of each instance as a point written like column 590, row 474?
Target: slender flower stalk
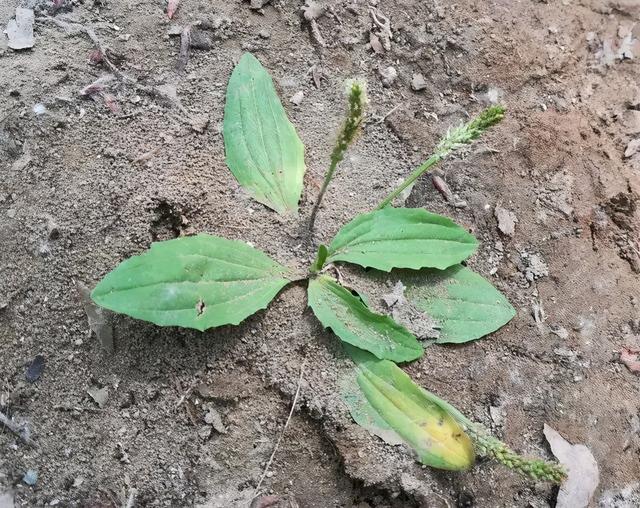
column 357, row 101
column 455, row 138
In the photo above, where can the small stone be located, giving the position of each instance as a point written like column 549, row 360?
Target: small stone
column 11, row 213
column 199, row 123
column 506, row 220
column 388, row 75
column 258, row 4
column 418, row 82
column 214, row 419
column 560, row 331
column 631, row 121
column 312, row 10
column 204, row 432
column 496, row 415
column 30, row 477
column 39, row 109
column 200, row 40
column 632, row 148
column 535, row 268
column 297, row 98
column 264, row 34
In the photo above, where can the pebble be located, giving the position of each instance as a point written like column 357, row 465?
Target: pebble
column 297, row 98
column 39, row 109
column 30, row 477
column 418, row 82
column 506, row 220
column 632, row 148
column 388, row 75
column 631, row 121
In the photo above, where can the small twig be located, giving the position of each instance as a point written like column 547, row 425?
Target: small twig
column 315, row 33
column 390, row 112
column 185, row 46
column 152, row 91
column 19, row 429
column 60, row 407
column 275, row 449
column 147, row 155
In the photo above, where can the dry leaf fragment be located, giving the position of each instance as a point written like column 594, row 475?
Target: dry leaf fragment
column 99, row 395
column 97, row 321
column 20, row 29
column 172, row 7
column 583, row 475
column 631, row 358
column 35, row 369
column 376, row 45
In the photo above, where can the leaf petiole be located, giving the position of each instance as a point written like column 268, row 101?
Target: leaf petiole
column 321, row 258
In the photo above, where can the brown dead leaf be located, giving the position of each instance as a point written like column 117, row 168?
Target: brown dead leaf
column 583, row 474
column 172, row 7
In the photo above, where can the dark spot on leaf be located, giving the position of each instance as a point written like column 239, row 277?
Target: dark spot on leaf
column 200, row 307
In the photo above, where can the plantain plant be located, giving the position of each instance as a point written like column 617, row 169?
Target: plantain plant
column 205, row 281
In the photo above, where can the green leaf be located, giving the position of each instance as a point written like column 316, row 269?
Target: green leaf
column 354, row 323
column 195, row 282
column 263, row 151
column 465, row 304
column 429, row 429
column 363, row 413
column 321, row 258
column 401, row 238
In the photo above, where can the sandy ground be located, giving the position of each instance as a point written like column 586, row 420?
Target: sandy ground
column 89, row 182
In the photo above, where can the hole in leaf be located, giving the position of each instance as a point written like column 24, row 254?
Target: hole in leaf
column 200, row 307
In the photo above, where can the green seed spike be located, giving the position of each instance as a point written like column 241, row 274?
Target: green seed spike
column 489, row 446
column 357, row 102
column 453, row 140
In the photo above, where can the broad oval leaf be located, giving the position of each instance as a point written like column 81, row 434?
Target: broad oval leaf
column 262, row 148
column 354, row 323
column 402, row 238
column 426, row 426
column 465, row 305
column 195, row 282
